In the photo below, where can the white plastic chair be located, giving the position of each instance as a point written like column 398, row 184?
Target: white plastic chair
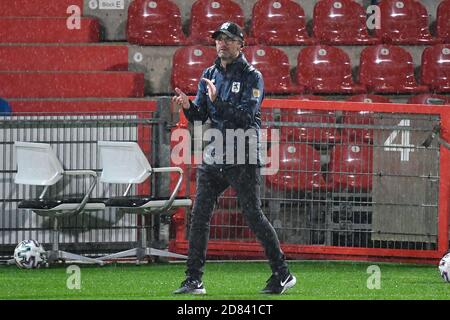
column 38, row 165
column 125, row 163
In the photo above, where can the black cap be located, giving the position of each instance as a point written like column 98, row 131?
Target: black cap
column 231, row 29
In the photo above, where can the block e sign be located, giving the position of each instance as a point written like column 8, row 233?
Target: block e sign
column 112, row 4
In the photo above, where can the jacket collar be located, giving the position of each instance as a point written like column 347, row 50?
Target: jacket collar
column 237, row 65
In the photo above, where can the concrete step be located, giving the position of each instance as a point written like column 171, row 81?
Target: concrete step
column 63, row 57
column 83, row 105
column 48, row 30
column 37, row 8
column 71, row 84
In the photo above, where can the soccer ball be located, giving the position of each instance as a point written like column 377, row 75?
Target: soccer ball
column 444, row 267
column 30, row 254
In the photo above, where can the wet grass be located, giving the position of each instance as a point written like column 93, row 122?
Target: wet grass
column 318, row 280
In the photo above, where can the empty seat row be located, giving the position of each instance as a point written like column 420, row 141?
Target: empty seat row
column 315, row 133
column 323, row 69
column 323, row 129
column 300, row 169
column 283, row 22
column 189, row 62
column 350, row 168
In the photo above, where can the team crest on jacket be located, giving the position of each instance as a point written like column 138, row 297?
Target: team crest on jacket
column 235, row 87
column 256, row 93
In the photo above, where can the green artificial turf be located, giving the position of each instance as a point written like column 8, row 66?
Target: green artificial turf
column 226, row 280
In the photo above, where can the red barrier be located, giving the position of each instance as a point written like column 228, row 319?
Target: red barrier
column 64, row 58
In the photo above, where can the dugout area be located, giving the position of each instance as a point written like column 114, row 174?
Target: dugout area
column 354, row 182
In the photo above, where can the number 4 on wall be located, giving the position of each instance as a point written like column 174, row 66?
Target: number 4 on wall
column 404, row 147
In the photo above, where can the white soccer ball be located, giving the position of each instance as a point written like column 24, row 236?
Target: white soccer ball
column 444, row 267
column 30, row 254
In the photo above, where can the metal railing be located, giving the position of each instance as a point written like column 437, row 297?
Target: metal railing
column 74, row 138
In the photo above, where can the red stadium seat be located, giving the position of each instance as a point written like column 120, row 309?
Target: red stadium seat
column 275, row 68
column 208, row 15
column 188, row 64
column 299, row 169
column 436, row 68
column 325, row 69
column 388, row 69
column 427, row 98
column 369, row 98
column 312, row 133
column 350, row 168
column 341, row 22
column 357, row 135
column 279, row 22
column 404, row 22
column 443, row 21
column 154, row 22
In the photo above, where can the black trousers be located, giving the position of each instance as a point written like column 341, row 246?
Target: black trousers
column 212, row 180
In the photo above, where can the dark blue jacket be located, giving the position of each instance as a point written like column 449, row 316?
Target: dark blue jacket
column 5, row 108
column 240, row 92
